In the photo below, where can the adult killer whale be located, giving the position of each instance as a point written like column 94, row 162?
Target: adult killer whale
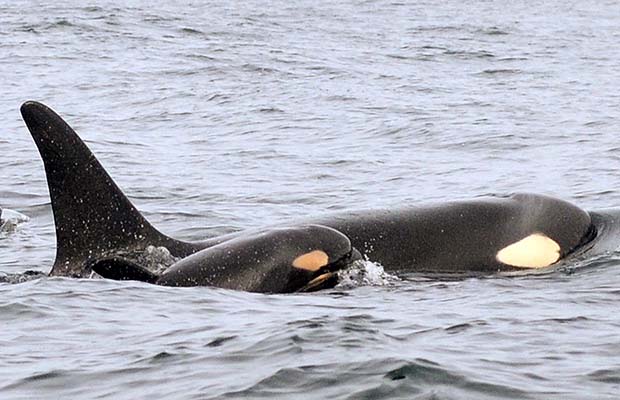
column 94, row 220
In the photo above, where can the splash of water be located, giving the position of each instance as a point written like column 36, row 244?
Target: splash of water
column 10, row 219
column 365, row 273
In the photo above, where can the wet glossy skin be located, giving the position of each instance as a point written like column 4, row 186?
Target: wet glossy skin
column 279, row 260
column 94, row 219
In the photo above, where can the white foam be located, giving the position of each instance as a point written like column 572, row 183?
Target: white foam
column 10, row 219
column 365, row 273
column 158, row 259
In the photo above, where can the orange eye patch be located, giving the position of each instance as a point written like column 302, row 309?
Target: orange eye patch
column 312, row 261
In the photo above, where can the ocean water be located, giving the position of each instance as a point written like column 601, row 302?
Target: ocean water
column 220, row 116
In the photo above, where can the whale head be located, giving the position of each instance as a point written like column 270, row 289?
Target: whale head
column 276, row 260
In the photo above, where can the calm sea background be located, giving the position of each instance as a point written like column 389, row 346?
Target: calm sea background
column 220, row 116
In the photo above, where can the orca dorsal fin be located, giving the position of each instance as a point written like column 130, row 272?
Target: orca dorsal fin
column 93, row 217
column 121, row 269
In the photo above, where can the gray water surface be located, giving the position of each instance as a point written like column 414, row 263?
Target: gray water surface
column 215, row 117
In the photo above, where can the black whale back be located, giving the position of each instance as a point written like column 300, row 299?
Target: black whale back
column 94, row 220
column 462, row 236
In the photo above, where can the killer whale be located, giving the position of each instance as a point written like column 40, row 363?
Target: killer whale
column 279, row 260
column 94, row 221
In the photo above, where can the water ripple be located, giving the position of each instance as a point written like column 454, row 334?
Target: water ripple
column 218, row 116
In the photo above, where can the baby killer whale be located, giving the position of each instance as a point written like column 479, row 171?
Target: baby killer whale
column 94, row 220
column 278, row 260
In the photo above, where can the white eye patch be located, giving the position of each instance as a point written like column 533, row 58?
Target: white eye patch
column 534, row 251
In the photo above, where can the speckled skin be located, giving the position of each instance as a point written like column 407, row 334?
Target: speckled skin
column 95, row 220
